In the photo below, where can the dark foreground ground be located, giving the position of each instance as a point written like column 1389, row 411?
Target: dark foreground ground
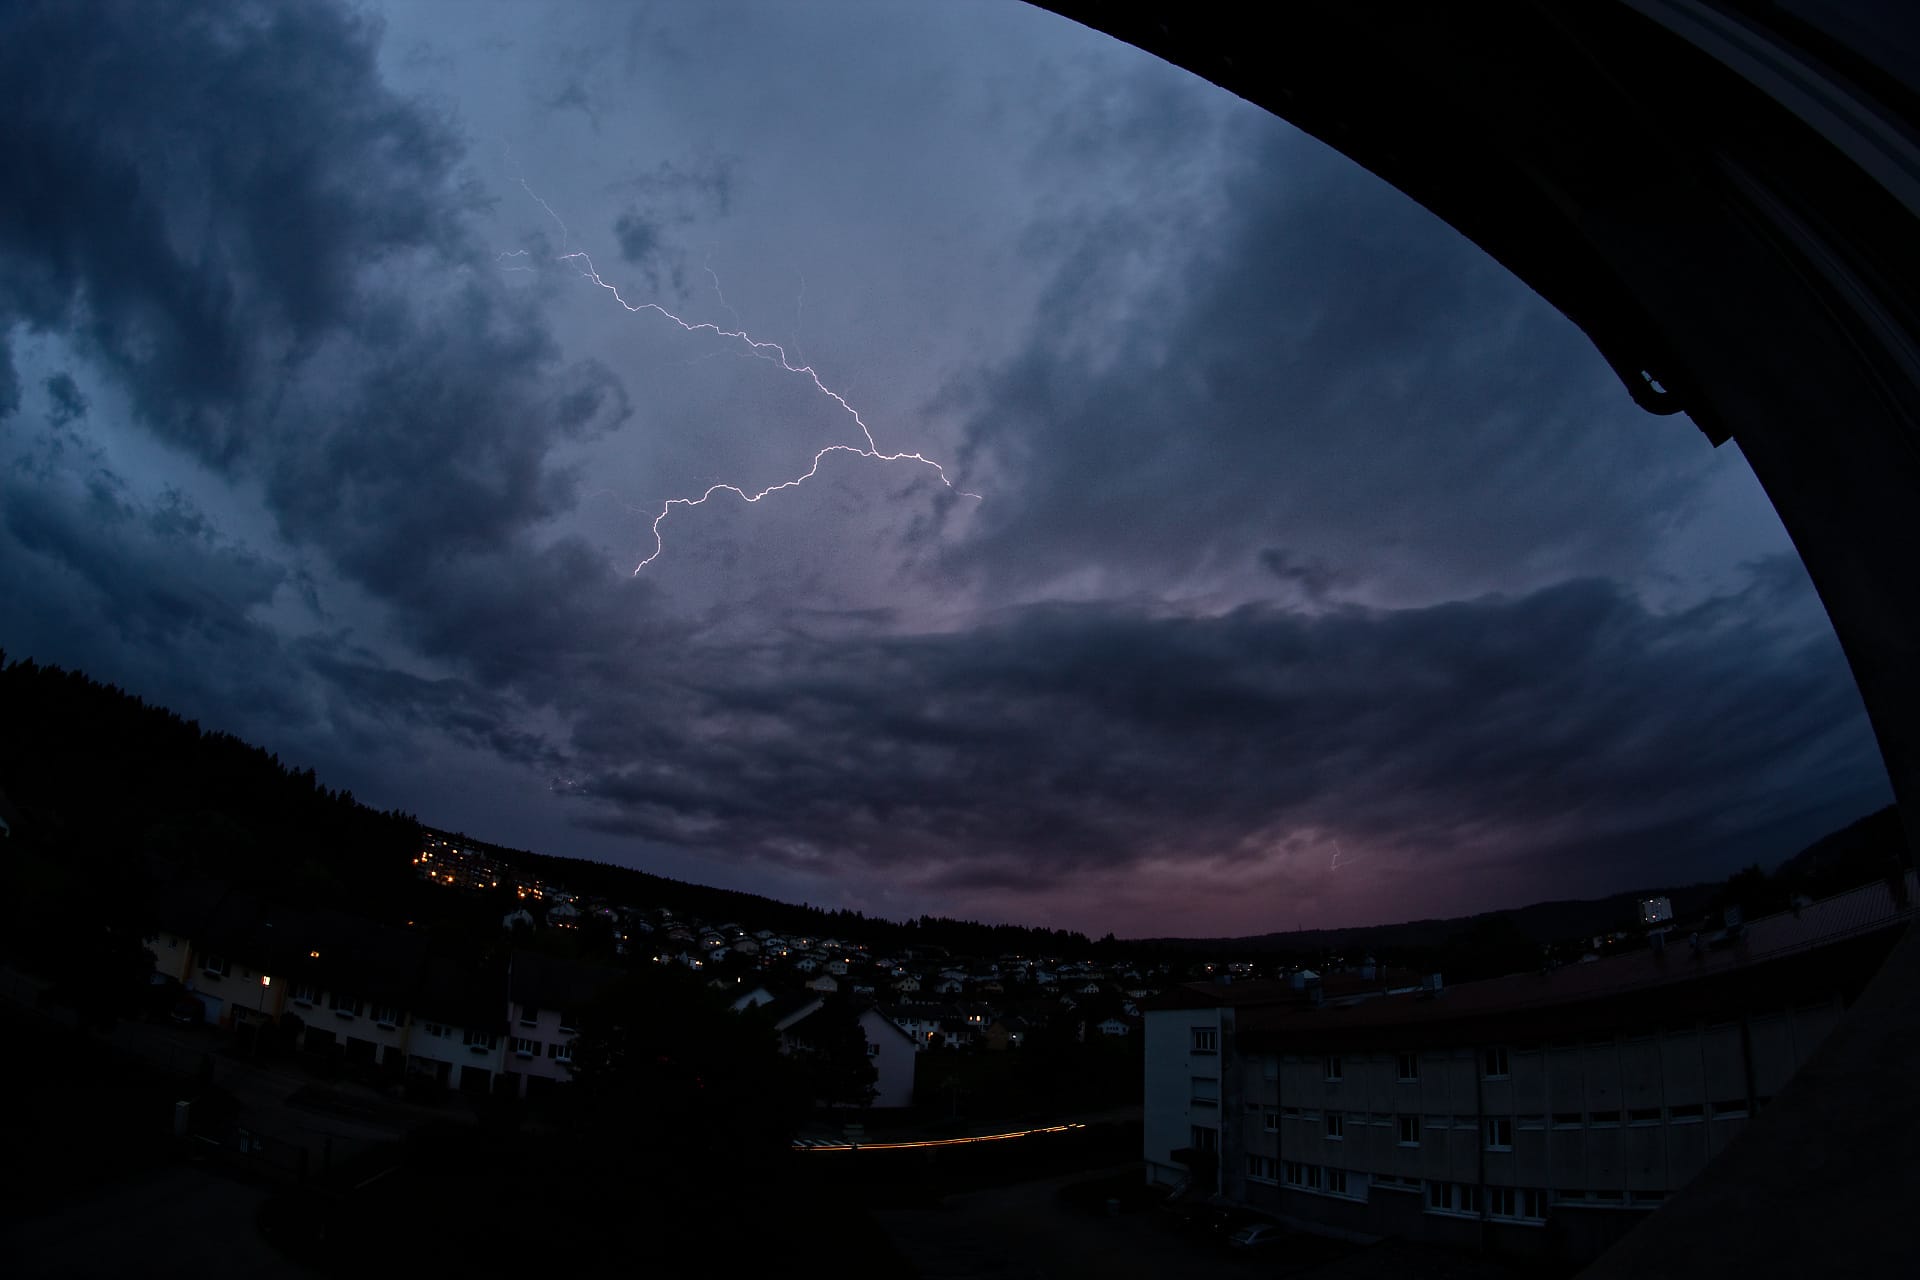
column 1071, row 1225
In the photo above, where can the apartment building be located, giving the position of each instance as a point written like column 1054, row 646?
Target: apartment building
column 1539, row 1114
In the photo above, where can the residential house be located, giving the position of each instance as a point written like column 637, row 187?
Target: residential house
column 545, row 995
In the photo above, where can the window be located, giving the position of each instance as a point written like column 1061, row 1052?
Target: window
column 560, row 1052
column 343, row 1005
column 215, row 966
column 1336, row 1126
column 1605, row 1119
column 1409, row 1131
column 1730, row 1109
column 523, row 1048
column 437, row 1030
column 1262, row 1168
column 1270, row 1068
column 1568, row 1119
column 479, row 1040
column 529, row 1015
column 1206, row 1040
column 1205, row 1091
column 1409, row 1066
column 1337, row 1181
column 1686, row 1115
column 1201, row 1138
column 1394, row 1182
column 1644, row 1115
column 386, row 1014
column 1496, row 1064
column 1270, row 1120
column 305, row 993
column 1453, row 1197
column 569, row 1022
column 1333, row 1066
column 1520, row 1204
column 1499, row 1135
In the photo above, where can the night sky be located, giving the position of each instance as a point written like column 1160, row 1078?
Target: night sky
column 1320, row 573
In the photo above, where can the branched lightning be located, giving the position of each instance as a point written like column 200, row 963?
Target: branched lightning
column 755, row 347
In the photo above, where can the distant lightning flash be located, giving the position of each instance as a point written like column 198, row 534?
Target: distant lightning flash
column 766, row 351
column 763, row 350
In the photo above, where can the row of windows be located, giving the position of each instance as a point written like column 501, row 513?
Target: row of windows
column 1516, row 1204
column 1313, row 1177
column 530, row 1016
column 558, row 1051
column 1494, row 1065
column 1499, row 1130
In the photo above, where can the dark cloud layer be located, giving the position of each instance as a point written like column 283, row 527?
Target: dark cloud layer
column 1069, row 742
column 228, row 211
column 1320, row 362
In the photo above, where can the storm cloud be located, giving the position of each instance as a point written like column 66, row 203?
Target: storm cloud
column 1301, row 526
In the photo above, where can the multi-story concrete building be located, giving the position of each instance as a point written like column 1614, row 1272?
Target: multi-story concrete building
column 1532, row 1114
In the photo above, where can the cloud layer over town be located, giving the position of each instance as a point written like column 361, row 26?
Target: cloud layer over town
column 1302, row 525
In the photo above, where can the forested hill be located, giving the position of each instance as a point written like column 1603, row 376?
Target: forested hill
column 716, row 906
column 114, row 795
column 110, row 795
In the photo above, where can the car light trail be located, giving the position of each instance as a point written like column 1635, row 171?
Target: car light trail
column 934, row 1142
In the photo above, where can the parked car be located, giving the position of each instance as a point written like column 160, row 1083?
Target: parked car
column 1256, row 1236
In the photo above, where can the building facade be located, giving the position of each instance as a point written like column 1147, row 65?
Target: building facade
column 1539, row 1114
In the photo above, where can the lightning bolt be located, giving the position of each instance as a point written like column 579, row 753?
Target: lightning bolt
column 761, row 349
